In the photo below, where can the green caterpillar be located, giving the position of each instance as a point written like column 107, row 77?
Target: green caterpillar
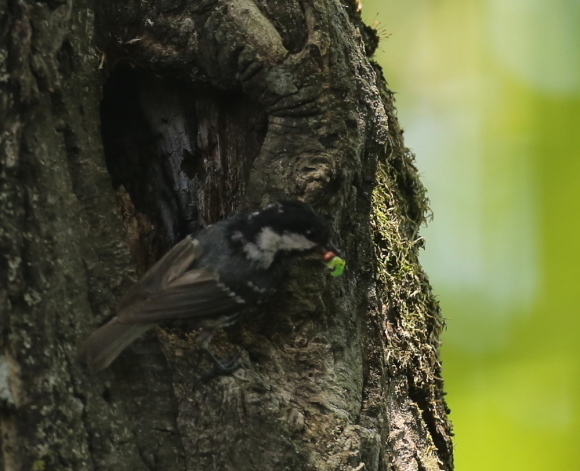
column 336, row 266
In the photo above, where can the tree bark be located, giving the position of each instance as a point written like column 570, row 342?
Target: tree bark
column 126, row 125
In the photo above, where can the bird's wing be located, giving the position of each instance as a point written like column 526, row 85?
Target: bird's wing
column 197, row 293
column 170, row 267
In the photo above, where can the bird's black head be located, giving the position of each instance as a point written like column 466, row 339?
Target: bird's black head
column 282, row 228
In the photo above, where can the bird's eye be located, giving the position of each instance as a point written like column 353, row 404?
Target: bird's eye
column 309, row 232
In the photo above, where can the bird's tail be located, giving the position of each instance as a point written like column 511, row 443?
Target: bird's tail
column 105, row 344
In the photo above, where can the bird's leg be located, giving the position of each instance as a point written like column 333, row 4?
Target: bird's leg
column 228, row 366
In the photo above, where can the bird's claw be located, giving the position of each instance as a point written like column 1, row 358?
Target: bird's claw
column 220, row 368
column 228, row 366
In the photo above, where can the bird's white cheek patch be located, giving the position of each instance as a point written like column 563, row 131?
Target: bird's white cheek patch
column 269, row 242
column 264, row 250
column 291, row 241
column 261, row 258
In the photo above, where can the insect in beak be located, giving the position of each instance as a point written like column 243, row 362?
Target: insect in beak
column 332, row 261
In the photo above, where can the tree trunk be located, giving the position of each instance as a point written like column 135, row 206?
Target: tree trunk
column 126, row 126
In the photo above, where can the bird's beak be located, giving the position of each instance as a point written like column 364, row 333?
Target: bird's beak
column 329, row 251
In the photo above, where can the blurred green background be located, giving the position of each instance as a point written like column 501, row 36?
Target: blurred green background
column 489, row 97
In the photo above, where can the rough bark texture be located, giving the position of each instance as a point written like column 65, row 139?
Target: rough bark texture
column 127, row 126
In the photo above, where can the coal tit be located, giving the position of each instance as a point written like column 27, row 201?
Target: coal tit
column 212, row 278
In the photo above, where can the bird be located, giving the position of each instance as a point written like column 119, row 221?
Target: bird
column 210, row 279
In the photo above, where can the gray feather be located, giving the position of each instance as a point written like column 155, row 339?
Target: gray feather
column 104, row 345
column 196, row 294
column 170, row 267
